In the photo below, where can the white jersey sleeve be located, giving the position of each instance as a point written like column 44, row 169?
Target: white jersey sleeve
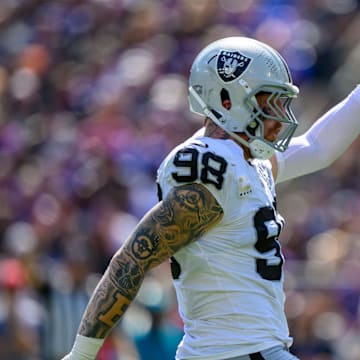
column 194, row 162
column 229, row 283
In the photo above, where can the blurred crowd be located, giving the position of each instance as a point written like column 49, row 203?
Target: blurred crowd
column 93, row 94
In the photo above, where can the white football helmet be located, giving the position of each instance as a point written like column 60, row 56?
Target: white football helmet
column 224, row 80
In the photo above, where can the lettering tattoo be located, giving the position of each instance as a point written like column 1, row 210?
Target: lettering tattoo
column 181, row 218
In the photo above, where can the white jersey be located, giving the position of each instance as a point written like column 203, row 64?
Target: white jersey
column 229, row 283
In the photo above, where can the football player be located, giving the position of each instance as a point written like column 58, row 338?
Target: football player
column 217, row 219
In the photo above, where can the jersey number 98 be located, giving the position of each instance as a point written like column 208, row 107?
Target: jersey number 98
column 212, row 167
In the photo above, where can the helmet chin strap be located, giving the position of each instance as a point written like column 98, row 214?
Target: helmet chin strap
column 258, row 148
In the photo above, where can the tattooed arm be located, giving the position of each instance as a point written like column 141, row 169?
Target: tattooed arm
column 182, row 217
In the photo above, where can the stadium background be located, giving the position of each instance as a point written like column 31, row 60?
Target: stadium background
column 92, row 96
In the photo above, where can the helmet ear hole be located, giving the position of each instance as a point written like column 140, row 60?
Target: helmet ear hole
column 225, row 99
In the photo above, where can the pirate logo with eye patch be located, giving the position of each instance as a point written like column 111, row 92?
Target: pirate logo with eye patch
column 231, row 64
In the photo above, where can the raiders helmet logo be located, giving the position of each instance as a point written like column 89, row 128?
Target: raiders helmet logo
column 231, row 64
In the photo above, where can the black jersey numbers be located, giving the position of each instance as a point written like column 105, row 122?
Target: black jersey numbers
column 186, row 161
column 211, row 170
column 268, row 229
column 214, row 167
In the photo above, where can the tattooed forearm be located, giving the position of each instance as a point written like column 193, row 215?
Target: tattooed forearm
column 185, row 214
column 125, row 273
column 104, row 309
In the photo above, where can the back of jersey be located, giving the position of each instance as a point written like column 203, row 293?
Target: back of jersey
column 229, row 283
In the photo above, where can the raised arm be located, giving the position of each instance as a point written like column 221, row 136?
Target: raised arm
column 182, row 217
column 323, row 143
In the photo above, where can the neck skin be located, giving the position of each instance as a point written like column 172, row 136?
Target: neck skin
column 216, row 132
